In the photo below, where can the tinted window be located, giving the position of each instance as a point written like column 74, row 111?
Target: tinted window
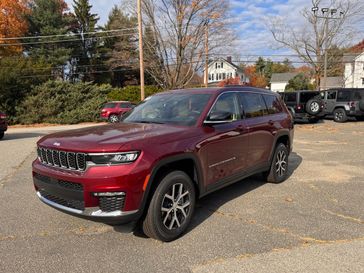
column 170, row 108
column 331, row 95
column 226, row 103
column 124, row 105
column 273, row 104
column 358, row 95
column 306, row 96
column 109, row 105
column 253, row 105
column 290, row 97
column 343, row 95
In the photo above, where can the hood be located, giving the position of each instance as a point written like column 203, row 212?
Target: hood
column 110, row 138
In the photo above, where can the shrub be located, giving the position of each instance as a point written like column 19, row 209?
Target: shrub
column 132, row 93
column 63, row 102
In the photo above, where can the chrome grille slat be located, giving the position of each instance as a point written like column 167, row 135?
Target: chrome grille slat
column 62, row 159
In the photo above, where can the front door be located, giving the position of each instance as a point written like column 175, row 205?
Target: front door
column 330, row 101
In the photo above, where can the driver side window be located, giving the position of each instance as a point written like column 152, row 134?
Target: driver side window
column 226, row 105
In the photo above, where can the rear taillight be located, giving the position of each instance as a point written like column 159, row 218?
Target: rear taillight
column 103, row 111
column 299, row 107
column 2, row 116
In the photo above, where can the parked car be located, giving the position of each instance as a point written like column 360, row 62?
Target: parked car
column 343, row 103
column 173, row 148
column 304, row 105
column 112, row 111
column 3, row 125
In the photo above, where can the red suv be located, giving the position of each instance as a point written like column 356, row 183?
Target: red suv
column 3, row 125
column 112, row 111
column 168, row 151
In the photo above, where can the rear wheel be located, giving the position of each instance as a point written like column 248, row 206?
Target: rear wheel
column 279, row 165
column 113, row 118
column 171, row 208
column 340, row 115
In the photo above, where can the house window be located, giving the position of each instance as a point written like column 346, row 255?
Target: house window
column 223, row 76
column 212, row 77
column 215, row 65
column 209, row 77
column 222, row 65
column 362, row 81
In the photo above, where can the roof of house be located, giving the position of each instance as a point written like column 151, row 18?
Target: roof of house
column 226, row 61
column 332, row 82
column 283, row 77
column 350, row 57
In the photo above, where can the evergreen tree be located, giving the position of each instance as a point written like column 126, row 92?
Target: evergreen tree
column 50, row 17
column 86, row 50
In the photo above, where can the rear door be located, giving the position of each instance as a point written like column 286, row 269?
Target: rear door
column 260, row 125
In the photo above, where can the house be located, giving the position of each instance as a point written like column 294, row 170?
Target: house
column 221, row 69
column 354, row 70
column 331, row 82
column 279, row 81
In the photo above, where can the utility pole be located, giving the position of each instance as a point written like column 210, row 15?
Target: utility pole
column 206, row 80
column 327, row 14
column 141, row 53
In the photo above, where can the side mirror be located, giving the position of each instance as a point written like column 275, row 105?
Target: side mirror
column 219, row 117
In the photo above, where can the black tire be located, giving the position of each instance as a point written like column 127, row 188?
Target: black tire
column 313, row 107
column 113, row 118
column 340, row 115
column 160, row 222
column 361, row 105
column 279, row 167
column 2, row 135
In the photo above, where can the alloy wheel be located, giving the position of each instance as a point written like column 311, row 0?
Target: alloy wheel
column 281, row 163
column 175, row 206
column 315, row 107
column 114, row 119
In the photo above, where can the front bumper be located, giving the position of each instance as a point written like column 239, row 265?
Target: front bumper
column 76, row 193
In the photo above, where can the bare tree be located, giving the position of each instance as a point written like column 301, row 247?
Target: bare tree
column 316, row 35
column 175, row 34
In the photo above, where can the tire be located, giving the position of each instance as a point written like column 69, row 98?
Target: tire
column 313, row 107
column 2, row 135
column 340, row 115
column 113, row 118
column 279, row 166
column 167, row 219
column 361, row 105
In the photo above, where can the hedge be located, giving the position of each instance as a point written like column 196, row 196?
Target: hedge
column 132, row 93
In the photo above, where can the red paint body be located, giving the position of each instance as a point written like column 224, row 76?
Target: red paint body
column 119, row 108
column 247, row 143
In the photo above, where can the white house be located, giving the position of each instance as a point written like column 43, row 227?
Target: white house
column 221, row 69
column 279, row 81
column 354, row 70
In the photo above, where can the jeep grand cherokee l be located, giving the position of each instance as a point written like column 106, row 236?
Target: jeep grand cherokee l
column 170, row 150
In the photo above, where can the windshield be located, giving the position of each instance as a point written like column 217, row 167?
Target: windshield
column 177, row 109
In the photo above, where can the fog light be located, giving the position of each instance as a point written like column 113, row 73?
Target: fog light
column 108, row 194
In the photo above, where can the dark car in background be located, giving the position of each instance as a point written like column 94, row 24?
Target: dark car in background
column 112, row 111
column 166, row 153
column 304, row 105
column 343, row 103
column 3, row 124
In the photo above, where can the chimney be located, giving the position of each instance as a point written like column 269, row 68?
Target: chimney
column 228, row 59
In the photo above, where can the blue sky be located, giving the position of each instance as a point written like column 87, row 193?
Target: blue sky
column 249, row 19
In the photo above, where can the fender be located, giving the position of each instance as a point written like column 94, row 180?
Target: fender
column 279, row 134
column 169, row 160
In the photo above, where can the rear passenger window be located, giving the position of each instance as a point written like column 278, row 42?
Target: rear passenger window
column 331, row 95
column 273, row 104
column 343, row 95
column 290, row 97
column 253, row 105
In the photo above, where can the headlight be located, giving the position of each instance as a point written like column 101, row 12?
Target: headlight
column 113, row 158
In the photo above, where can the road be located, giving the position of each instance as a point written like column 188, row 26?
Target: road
column 313, row 222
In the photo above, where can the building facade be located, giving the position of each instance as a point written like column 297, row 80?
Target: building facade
column 221, row 69
column 354, row 70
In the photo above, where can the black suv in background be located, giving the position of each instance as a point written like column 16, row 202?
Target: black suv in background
column 304, row 105
column 343, row 103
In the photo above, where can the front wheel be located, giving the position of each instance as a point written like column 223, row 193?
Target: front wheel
column 340, row 115
column 113, row 118
column 171, row 208
column 279, row 166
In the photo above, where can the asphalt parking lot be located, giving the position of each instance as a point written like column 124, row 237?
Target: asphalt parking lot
column 313, row 222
